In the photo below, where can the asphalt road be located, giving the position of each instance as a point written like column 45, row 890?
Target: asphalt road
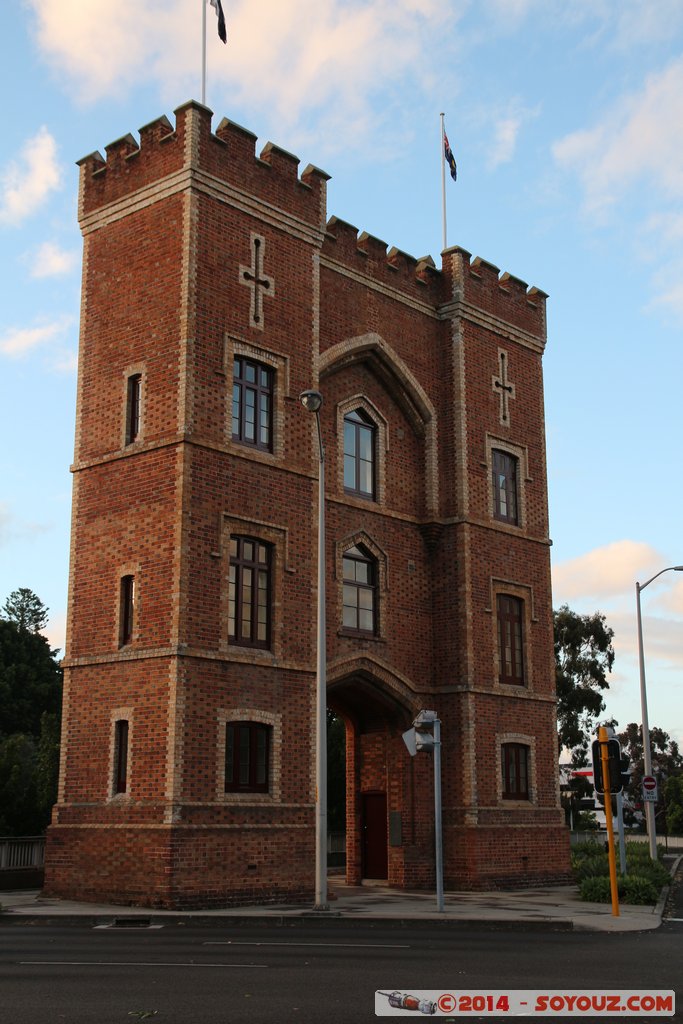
column 183, row 974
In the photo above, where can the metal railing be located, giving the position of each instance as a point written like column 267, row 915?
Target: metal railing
column 23, row 852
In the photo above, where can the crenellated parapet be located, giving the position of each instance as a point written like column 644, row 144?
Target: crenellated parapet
column 190, row 154
column 170, row 159
column 365, row 254
column 477, row 284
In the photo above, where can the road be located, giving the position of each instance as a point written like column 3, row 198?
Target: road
column 328, row 974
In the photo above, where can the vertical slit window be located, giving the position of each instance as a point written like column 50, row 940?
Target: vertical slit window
column 127, row 610
column 133, row 408
column 121, row 756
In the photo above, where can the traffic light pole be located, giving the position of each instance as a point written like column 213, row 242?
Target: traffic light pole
column 603, row 738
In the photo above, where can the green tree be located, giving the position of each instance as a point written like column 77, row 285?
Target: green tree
column 26, row 609
column 667, row 762
column 30, row 680
column 19, row 813
column 30, row 705
column 583, row 659
column 673, row 796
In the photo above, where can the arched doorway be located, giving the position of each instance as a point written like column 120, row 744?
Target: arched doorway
column 385, row 834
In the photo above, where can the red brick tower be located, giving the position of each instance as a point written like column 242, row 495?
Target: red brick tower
column 214, row 292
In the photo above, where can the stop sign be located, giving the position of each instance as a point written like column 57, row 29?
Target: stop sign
column 649, row 783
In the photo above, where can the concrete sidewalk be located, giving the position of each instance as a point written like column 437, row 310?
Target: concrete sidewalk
column 552, row 908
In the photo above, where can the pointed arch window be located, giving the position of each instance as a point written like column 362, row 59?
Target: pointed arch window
column 360, row 591
column 360, row 446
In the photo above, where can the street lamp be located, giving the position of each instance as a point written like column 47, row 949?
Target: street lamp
column 312, row 401
column 647, row 752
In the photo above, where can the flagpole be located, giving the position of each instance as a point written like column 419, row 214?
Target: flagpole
column 443, row 179
column 203, row 3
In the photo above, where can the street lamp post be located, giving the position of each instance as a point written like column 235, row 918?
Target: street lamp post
column 647, row 752
column 312, row 401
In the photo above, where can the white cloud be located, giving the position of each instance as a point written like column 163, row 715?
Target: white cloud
column 635, row 150
column 335, row 68
column 604, row 572
column 50, row 260
column 506, row 132
column 17, row 342
column 635, row 141
column 26, row 183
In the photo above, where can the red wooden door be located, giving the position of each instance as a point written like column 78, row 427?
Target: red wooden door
column 374, row 833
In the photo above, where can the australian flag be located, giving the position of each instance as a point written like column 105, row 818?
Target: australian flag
column 218, row 8
column 448, row 153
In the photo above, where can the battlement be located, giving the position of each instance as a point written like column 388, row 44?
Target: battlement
column 367, row 254
column 481, row 284
column 228, row 156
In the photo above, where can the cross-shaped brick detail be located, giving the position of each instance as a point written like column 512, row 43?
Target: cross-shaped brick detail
column 259, row 283
column 503, row 388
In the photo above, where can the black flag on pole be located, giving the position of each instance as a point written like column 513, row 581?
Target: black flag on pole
column 218, row 8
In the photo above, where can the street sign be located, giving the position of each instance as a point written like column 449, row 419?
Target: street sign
column 650, row 788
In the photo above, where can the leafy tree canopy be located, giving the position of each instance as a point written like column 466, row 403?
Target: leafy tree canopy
column 26, row 609
column 583, row 659
column 30, row 680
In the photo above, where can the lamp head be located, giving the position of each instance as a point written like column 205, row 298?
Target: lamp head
column 678, row 568
column 312, row 400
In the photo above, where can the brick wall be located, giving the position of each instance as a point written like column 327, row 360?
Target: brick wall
column 175, row 228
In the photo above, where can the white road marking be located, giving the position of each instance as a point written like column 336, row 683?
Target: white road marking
column 123, row 963
column 327, row 945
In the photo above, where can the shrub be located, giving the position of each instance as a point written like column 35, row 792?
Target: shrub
column 639, row 890
column 596, row 889
column 591, row 867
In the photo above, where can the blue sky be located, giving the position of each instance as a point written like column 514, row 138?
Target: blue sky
column 565, row 117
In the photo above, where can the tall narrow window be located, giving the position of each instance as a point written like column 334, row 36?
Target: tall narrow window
column 510, row 639
column 505, row 487
column 121, row 756
column 133, row 408
column 247, row 756
column 252, row 403
column 360, row 589
column 127, row 613
column 249, row 592
column 359, row 454
column 515, row 766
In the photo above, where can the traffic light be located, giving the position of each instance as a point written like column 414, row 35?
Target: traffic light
column 615, row 769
